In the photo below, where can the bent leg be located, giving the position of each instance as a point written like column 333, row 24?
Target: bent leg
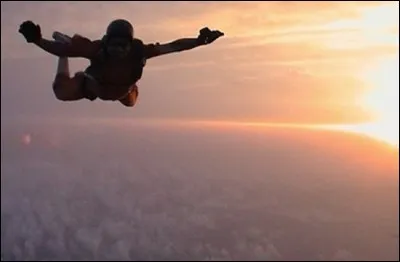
column 130, row 99
column 71, row 89
column 68, row 89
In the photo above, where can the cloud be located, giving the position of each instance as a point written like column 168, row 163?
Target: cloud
column 168, row 191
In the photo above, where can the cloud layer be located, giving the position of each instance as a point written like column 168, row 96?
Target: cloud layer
column 190, row 191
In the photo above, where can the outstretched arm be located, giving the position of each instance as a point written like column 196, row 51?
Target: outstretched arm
column 56, row 48
column 78, row 47
column 206, row 36
column 172, row 47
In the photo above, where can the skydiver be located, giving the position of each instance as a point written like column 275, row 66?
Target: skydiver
column 116, row 61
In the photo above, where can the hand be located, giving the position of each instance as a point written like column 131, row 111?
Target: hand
column 30, row 31
column 208, row 36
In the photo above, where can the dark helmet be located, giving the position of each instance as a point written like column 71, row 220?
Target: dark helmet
column 120, row 28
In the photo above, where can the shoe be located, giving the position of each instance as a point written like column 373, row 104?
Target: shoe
column 60, row 37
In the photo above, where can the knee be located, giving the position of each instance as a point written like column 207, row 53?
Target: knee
column 60, row 95
column 130, row 99
column 68, row 89
column 61, row 85
column 129, row 103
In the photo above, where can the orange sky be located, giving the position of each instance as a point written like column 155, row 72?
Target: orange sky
column 298, row 62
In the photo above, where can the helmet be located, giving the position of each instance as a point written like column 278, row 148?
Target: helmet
column 120, row 28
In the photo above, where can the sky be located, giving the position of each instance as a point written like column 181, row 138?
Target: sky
column 291, row 62
column 215, row 161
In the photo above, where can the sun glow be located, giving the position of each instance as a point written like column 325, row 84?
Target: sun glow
column 383, row 131
column 382, row 100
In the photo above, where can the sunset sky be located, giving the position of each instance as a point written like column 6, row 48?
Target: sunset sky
column 292, row 62
column 285, row 129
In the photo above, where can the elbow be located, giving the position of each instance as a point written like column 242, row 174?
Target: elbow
column 54, row 48
column 61, row 49
column 60, row 52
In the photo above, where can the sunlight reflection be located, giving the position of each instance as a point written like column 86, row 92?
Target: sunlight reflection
column 383, row 131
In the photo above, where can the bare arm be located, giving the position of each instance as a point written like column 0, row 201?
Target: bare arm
column 78, row 47
column 205, row 37
column 73, row 49
column 180, row 45
column 172, row 47
column 54, row 47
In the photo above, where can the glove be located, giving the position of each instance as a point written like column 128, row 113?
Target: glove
column 30, row 31
column 208, row 36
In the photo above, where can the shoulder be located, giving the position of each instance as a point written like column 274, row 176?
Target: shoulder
column 138, row 44
column 148, row 50
column 85, row 45
column 152, row 50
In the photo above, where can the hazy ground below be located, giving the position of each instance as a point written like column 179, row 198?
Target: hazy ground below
column 119, row 190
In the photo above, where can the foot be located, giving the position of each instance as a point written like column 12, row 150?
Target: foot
column 60, row 37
